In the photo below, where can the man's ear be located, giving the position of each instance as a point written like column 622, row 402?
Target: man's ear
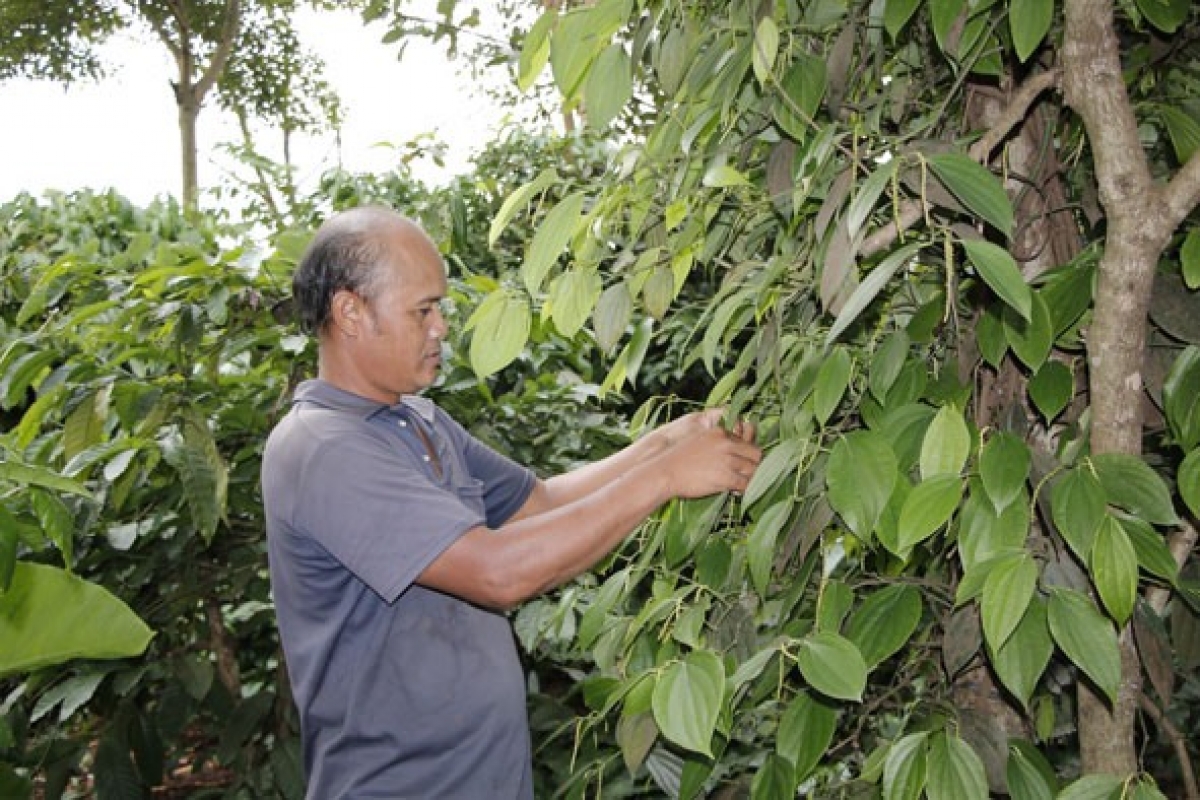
column 346, row 313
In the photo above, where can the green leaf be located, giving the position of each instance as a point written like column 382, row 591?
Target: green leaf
column 29, row 475
column 867, row 196
column 573, row 295
column 766, row 47
column 946, row 445
column 552, row 236
column 1029, row 21
column 887, row 363
column 1030, row 775
column 202, row 472
column 803, row 88
column 24, row 373
column 1189, row 258
column 49, row 616
column 944, row 14
column 1153, row 554
column 535, row 51
column 609, row 87
column 1007, row 592
column 832, row 380
column 580, row 36
column 659, row 291
column 999, row 271
column 1166, row 15
column 953, row 770
column 1022, row 659
column 1051, row 389
column 1087, row 638
column 1031, row 339
column 832, row 665
column 1114, row 568
column 114, row 772
column 1181, row 398
column 1188, row 481
column 760, row 544
column 1094, row 786
column 1130, row 483
column 1183, row 131
column 8, row 548
column 68, row 696
column 904, row 769
column 977, row 188
column 884, row 622
column 508, row 209
column 989, row 335
column 1077, row 506
column 775, row 778
column 896, row 14
column 611, row 317
column 805, row 732
column 687, row 700
column 781, row 462
column 927, row 508
column 869, row 289
column 860, row 475
column 500, row 328
column 1003, row 468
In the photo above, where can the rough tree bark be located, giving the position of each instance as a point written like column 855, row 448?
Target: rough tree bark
column 1141, row 217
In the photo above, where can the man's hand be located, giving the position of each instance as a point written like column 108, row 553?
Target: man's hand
column 709, row 459
column 682, row 429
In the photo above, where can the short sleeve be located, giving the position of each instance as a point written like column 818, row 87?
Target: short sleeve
column 507, row 485
column 374, row 510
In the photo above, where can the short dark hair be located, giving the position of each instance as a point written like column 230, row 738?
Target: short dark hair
column 342, row 255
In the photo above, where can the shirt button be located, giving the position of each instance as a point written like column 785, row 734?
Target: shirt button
column 425, row 458
column 402, row 423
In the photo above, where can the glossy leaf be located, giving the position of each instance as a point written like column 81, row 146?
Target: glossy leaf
column 500, row 326
column 1087, row 638
column 976, row 187
column 1153, row 554
column 953, row 770
column 805, row 732
column 884, row 622
column 687, row 699
column 832, row 380
column 766, row 47
column 860, row 475
column 1003, row 468
column 775, row 778
column 1029, row 21
column 1114, row 568
column 1189, row 258
column 869, row 289
column 1094, row 786
column 760, row 544
column 896, row 14
column 1077, row 506
column 516, row 200
column 535, row 51
column 573, row 295
column 867, row 196
column 202, row 472
column 929, row 507
column 778, row 464
column 1166, row 15
column 1023, row 658
column 946, row 445
column 1031, row 339
column 1181, row 398
column 832, row 665
column 1007, row 592
column 612, row 315
column 803, row 86
column 49, row 616
column 1131, row 484
column 904, row 770
column 887, row 363
column 1188, row 481
column 999, row 271
column 1030, row 775
column 1051, row 389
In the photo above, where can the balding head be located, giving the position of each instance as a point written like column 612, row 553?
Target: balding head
column 347, row 254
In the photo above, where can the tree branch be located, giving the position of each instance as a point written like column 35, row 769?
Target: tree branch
column 912, row 211
column 1182, row 194
column 1178, row 742
column 229, row 34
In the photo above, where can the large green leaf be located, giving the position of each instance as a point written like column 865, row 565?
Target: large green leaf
column 978, row 189
column 1007, row 592
column 805, row 731
column 1094, row 786
column 953, row 770
column 860, row 475
column 760, row 544
column 1087, row 638
column 779, row 464
column 999, row 271
column 1030, row 775
column 517, row 199
column 869, row 289
column 1032, row 338
column 1166, row 15
column 803, row 86
column 553, row 234
column 1114, row 567
column 1130, row 483
column 1188, row 481
column 535, row 51
column 884, row 622
column 1181, row 398
column 896, row 14
column 573, row 295
column 832, row 665
column 202, row 472
column 609, row 86
column 927, row 508
column 904, row 770
column 1051, row 389
column 774, row 779
column 687, row 700
column 832, row 380
column 1022, row 659
column 946, row 445
column 500, row 325
column 1029, row 21
column 1003, row 467
column 49, row 616
column 1077, row 506
column 766, row 48
column 31, row 475
column 1189, row 257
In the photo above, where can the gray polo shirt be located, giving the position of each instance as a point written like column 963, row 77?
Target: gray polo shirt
column 403, row 692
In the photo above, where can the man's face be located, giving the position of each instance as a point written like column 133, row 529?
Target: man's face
column 400, row 348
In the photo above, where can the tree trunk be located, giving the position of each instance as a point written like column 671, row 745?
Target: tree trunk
column 189, row 112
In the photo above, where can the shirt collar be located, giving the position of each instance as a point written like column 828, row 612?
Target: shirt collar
column 325, row 394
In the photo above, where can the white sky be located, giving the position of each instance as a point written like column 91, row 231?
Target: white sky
column 122, row 131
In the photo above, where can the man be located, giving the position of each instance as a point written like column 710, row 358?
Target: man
column 396, row 540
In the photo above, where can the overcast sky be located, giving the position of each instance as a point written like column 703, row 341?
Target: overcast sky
column 122, row 132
